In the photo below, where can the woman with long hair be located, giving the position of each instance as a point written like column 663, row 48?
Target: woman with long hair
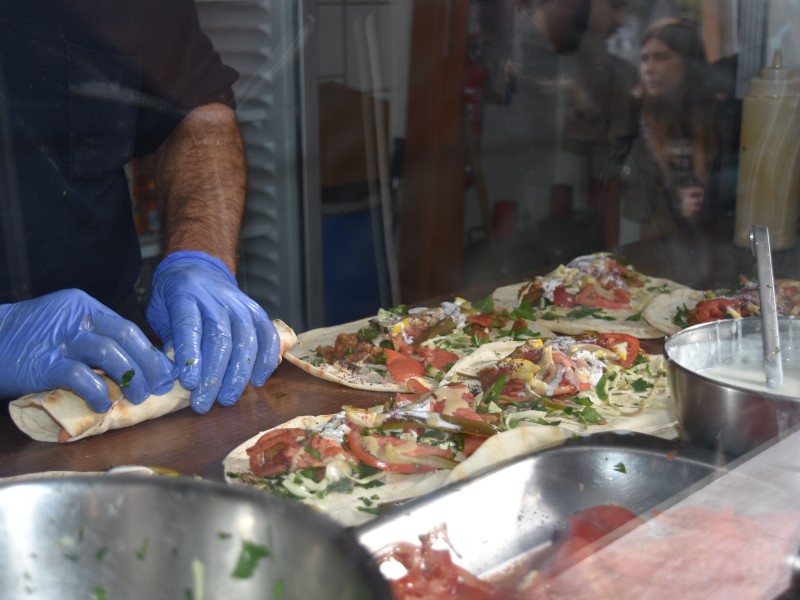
column 669, row 163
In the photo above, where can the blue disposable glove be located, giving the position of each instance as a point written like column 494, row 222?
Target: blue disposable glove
column 222, row 338
column 56, row 340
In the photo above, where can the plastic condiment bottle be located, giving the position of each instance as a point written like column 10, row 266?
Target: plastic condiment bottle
column 769, row 157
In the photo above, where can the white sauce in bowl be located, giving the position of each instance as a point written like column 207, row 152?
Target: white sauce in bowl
column 750, row 375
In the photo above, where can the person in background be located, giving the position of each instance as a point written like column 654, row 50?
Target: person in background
column 86, row 86
column 668, row 164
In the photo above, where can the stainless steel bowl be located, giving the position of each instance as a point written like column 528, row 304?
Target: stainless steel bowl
column 133, row 537
column 722, row 416
column 503, row 521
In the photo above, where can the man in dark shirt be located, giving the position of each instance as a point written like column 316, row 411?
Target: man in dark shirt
column 85, row 86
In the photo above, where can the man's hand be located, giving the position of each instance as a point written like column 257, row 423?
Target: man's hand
column 56, row 341
column 222, row 339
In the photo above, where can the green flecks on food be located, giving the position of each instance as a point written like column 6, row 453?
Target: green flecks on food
column 279, row 589
column 198, row 573
column 224, row 535
column 640, row 385
column 620, row 467
column 126, row 378
column 524, row 311
column 141, row 553
column 248, row 559
column 679, row 318
column 100, row 593
column 485, row 305
column 635, row 317
column 600, row 388
column 190, row 362
column 101, row 552
column 372, row 510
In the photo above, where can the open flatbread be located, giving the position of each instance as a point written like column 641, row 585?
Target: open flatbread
column 62, row 416
column 360, row 504
column 355, row 354
column 356, row 463
column 596, row 292
column 664, row 312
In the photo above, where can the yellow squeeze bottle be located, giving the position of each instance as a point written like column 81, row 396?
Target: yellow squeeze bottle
column 769, row 158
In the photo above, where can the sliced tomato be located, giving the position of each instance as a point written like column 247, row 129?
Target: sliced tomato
column 561, row 297
column 402, row 367
column 472, row 443
column 415, row 386
column 379, row 460
column 596, row 296
column 716, row 309
column 481, row 319
column 632, row 346
column 437, row 357
column 281, row 450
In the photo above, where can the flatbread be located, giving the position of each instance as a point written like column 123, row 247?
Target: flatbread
column 398, row 488
column 62, row 416
column 359, row 376
column 661, row 311
column 577, row 320
column 651, row 411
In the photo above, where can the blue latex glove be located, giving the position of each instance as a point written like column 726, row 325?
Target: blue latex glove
column 222, row 338
column 56, row 340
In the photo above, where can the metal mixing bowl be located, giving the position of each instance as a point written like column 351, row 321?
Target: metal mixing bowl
column 721, row 416
column 134, row 537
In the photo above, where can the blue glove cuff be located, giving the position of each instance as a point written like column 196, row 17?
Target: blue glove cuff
column 186, row 258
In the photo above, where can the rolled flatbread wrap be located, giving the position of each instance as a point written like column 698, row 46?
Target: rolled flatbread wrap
column 62, row 416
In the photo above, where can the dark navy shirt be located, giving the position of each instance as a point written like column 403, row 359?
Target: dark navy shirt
column 85, row 86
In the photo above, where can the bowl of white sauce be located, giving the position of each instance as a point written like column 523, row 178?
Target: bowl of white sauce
column 716, row 374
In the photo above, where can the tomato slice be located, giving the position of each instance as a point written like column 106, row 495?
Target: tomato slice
column 716, row 309
column 595, row 296
column 561, row 297
column 437, row 357
column 402, row 367
column 359, row 449
column 631, row 343
column 481, row 319
column 281, row 450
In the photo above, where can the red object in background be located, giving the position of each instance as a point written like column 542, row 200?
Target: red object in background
column 504, row 220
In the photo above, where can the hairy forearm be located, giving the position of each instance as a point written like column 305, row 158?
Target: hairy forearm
column 200, row 179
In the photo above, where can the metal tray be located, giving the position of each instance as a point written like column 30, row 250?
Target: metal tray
column 505, row 519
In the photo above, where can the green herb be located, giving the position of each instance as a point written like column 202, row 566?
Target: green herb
column 659, row 289
column 100, row 593
column 620, row 466
column 126, row 378
column 524, row 311
column 72, row 557
column 101, row 552
column 190, row 362
column 368, row 333
column 279, row 589
column 583, row 401
column 141, row 553
column 590, row 416
column 600, row 388
column 248, row 559
column 477, row 342
column 486, row 305
column 399, row 310
column 365, row 500
column 549, row 316
column 586, row 311
column 679, row 318
column 224, row 535
column 313, row 451
column 373, row 510
column 640, row 385
column 523, row 333
column 493, row 392
column 636, row 317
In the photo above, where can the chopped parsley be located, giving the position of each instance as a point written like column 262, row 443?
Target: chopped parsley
column 248, row 560
column 635, row 317
column 679, row 318
column 141, row 553
column 524, row 311
column 190, row 362
column 640, row 385
column 586, row 311
column 100, row 593
column 620, row 467
column 126, row 378
column 486, row 305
